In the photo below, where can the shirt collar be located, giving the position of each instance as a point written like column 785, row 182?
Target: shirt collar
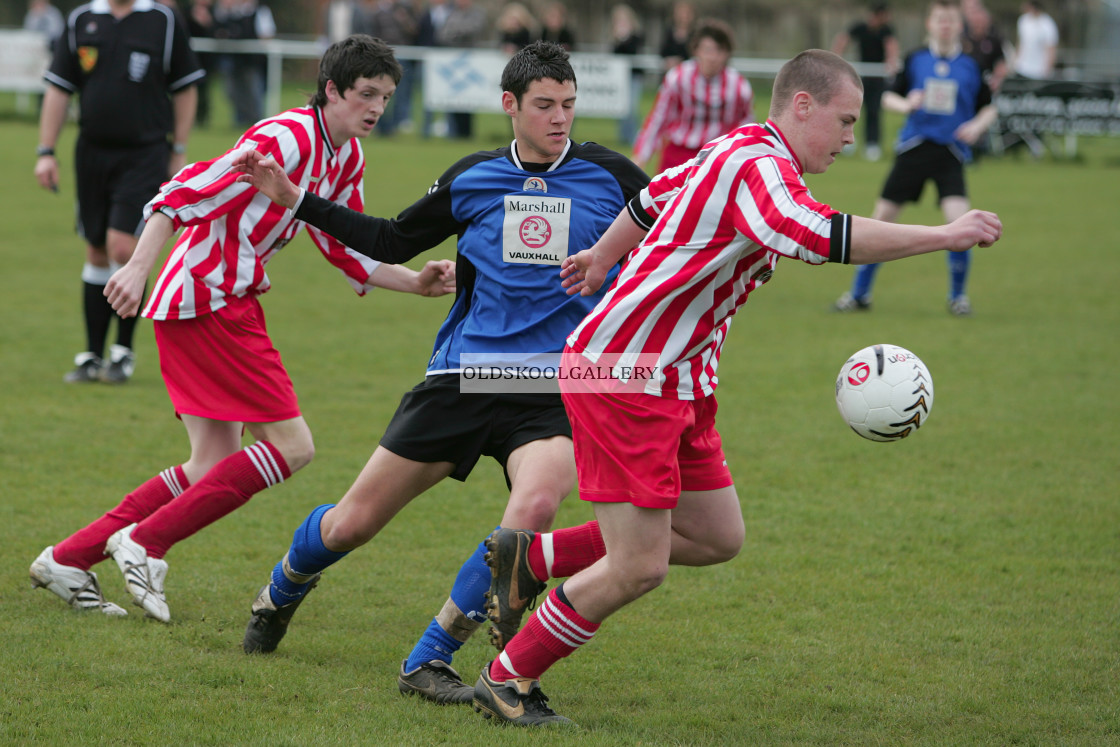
column 773, row 128
column 953, row 53
column 102, row 6
column 551, row 167
column 324, row 130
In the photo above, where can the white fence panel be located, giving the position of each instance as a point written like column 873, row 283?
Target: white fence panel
column 469, row 80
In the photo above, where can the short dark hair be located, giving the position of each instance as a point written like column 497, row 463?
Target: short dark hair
column 538, row 61
column 357, row 56
column 714, row 29
column 815, row 71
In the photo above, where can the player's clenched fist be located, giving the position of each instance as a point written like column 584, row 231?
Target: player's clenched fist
column 125, row 290
column 975, row 228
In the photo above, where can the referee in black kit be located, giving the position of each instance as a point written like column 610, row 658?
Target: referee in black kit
column 131, row 63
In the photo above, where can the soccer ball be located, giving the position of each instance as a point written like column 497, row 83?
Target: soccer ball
column 884, row 392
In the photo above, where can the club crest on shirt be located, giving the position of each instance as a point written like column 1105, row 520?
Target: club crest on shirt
column 87, row 58
column 534, row 184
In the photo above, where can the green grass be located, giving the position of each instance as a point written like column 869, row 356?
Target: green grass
column 960, row 587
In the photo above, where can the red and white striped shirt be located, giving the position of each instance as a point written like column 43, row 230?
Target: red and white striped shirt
column 231, row 230
column 720, row 224
column 691, row 110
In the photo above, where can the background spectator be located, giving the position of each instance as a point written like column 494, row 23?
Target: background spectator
column 515, row 28
column 626, row 38
column 674, row 42
column 982, row 42
column 339, row 20
column 555, row 26
column 432, row 17
column 877, row 43
column 393, row 22
column 246, row 75
column 1038, row 42
column 465, row 26
column 44, row 18
column 200, row 25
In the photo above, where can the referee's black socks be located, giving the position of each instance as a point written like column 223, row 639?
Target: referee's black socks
column 98, row 312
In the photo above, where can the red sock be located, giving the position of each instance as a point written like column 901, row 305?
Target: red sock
column 553, row 631
column 565, row 552
column 227, row 486
column 86, row 547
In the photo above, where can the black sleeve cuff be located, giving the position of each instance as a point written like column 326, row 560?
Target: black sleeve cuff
column 639, row 214
column 311, row 209
column 840, row 246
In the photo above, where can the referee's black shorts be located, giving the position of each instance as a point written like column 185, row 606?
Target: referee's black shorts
column 925, row 162
column 436, row 423
column 114, row 184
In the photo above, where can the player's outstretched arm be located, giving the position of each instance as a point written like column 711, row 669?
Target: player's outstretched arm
column 893, row 102
column 267, row 176
column 435, row 279
column 970, row 132
column 877, row 241
column 584, row 272
column 392, row 241
column 125, row 289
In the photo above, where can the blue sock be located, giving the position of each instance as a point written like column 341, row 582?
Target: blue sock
column 468, row 596
column 436, row 643
column 306, row 557
column 861, row 284
column 958, row 272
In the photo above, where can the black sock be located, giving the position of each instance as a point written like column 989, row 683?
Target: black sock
column 126, row 327
column 98, row 315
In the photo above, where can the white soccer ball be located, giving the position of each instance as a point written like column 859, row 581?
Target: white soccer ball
column 884, row 392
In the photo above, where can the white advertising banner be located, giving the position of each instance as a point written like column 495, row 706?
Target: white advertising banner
column 24, row 57
column 469, row 80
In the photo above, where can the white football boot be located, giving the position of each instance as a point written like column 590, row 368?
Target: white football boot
column 76, row 587
column 143, row 576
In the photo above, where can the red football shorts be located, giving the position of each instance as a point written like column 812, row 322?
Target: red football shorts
column 223, row 366
column 641, row 449
column 674, row 155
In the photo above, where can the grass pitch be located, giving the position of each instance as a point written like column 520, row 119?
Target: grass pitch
column 959, row 587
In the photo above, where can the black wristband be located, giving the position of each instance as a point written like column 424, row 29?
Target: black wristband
column 44, row 150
